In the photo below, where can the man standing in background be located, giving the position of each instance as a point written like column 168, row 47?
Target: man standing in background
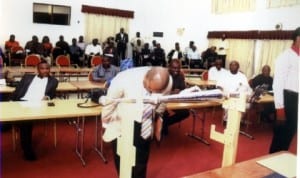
column 222, row 49
column 121, row 40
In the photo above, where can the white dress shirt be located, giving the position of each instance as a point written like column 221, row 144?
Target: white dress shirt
column 286, row 75
column 233, row 83
column 36, row 90
column 93, row 49
column 215, row 74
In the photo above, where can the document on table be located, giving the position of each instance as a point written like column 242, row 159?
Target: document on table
column 284, row 164
column 2, row 82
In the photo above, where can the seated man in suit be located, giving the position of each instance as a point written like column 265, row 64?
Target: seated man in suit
column 34, row 88
column 105, row 72
column 175, row 53
column 178, row 115
column 268, row 113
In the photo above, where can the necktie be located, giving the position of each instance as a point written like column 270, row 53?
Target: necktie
column 146, row 129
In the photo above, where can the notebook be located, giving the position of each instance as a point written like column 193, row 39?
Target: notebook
column 283, row 164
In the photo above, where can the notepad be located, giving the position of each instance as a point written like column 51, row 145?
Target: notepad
column 284, row 164
column 2, row 82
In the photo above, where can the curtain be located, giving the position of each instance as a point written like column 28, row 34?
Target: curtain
column 282, row 3
column 243, row 52
column 269, row 51
column 253, row 34
column 103, row 26
column 240, row 50
column 227, row 6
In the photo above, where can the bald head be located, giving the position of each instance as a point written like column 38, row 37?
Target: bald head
column 157, row 80
column 234, row 67
column 266, row 70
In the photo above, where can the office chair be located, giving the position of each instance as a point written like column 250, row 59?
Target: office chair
column 96, row 60
column 32, row 60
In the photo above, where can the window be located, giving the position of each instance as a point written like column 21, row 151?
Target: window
column 51, row 14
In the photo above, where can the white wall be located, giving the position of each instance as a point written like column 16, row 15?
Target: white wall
column 150, row 15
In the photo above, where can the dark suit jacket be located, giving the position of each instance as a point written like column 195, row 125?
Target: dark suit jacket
column 122, row 42
column 25, row 82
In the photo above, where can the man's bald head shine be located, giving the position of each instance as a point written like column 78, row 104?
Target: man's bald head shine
column 157, row 79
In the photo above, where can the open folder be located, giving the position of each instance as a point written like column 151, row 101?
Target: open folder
column 283, row 164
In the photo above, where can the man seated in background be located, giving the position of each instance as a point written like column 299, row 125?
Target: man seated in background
column 194, row 58
column 268, row 112
column 105, row 72
column 93, row 49
column 216, row 72
column 234, row 81
column 174, row 116
column 209, row 56
column 146, row 55
column 159, row 56
column 34, row 46
column 75, row 53
column 175, row 53
column 34, row 88
column 9, row 45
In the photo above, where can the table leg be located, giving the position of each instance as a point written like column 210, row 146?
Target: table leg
column 246, row 122
column 201, row 136
column 54, row 131
column 96, row 146
column 14, row 137
column 80, row 139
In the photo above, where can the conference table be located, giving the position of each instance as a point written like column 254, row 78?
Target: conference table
column 199, row 82
column 204, row 106
column 252, row 169
column 195, row 108
column 86, row 86
column 55, row 70
column 64, row 87
column 6, row 89
column 62, row 109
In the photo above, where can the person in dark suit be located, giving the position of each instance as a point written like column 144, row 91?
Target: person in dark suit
column 268, row 113
column 34, row 88
column 121, row 40
column 175, row 116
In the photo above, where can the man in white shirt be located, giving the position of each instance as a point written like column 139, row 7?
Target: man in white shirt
column 194, row 58
column 286, row 98
column 136, row 83
column 222, row 49
column 93, row 49
column 234, row 81
column 216, row 72
column 34, row 88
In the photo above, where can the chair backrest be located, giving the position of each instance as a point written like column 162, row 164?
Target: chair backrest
column 32, row 60
column 90, row 75
column 204, row 75
column 96, row 60
column 63, row 61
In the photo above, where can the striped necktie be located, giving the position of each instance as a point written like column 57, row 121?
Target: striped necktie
column 146, row 129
